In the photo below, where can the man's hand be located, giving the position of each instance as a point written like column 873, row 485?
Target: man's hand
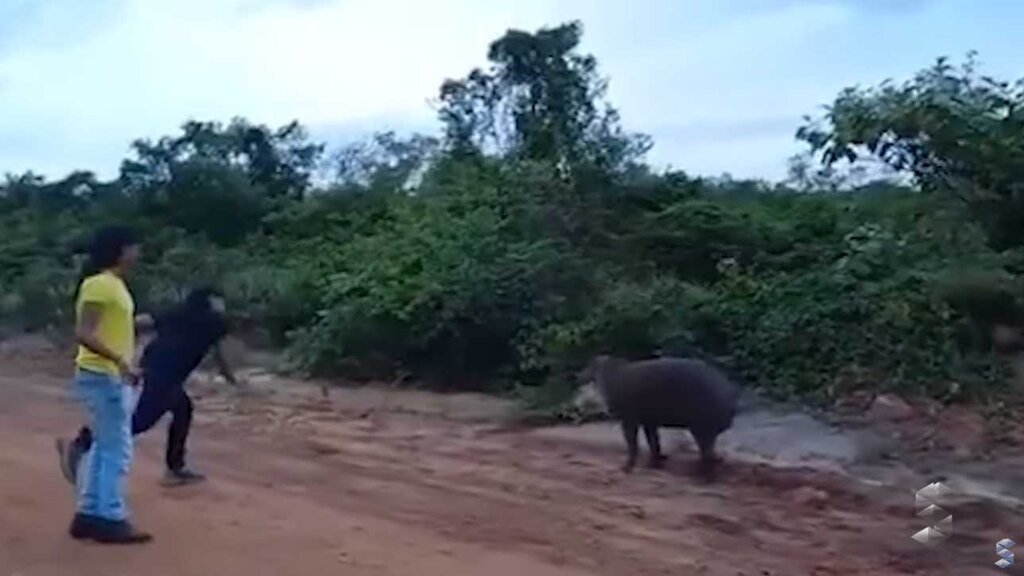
column 144, row 322
column 225, row 369
column 132, row 375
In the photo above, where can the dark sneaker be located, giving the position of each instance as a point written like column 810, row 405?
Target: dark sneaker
column 70, row 454
column 83, row 526
column 182, row 477
column 86, row 527
column 122, row 533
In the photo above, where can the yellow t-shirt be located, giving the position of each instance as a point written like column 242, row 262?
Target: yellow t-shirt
column 116, row 328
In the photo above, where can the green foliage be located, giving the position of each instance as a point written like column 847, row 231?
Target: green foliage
column 540, row 101
column 532, row 236
column 957, row 132
column 627, row 317
column 38, row 300
column 443, row 287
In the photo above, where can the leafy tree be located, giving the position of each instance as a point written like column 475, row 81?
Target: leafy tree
column 18, row 190
column 220, row 181
column 958, row 133
column 282, row 161
column 385, row 161
column 540, row 100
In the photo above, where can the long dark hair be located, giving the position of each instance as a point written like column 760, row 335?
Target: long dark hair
column 104, row 252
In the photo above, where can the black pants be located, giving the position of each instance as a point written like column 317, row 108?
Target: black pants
column 160, row 395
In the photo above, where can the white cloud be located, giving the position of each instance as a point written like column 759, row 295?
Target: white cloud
column 163, row 62
column 714, row 80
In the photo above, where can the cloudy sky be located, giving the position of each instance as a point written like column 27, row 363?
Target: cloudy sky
column 720, row 84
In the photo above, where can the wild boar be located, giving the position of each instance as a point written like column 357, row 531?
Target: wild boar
column 665, row 393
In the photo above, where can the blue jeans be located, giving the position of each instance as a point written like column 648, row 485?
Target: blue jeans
column 103, row 469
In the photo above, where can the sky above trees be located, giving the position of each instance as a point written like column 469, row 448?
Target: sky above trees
column 720, row 85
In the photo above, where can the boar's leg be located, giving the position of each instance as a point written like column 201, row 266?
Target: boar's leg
column 706, row 444
column 629, row 431
column 654, row 443
column 708, row 457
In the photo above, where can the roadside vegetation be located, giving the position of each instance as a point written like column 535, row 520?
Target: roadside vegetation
column 531, row 233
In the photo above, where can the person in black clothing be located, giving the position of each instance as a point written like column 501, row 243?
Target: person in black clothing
column 183, row 338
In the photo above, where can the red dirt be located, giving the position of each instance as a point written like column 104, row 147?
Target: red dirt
column 306, row 487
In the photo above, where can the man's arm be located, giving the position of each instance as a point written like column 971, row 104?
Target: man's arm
column 222, row 365
column 145, row 322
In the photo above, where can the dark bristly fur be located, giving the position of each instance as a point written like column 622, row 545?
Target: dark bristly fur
column 667, row 393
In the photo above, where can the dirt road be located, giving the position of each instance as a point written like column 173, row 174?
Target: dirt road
column 303, row 486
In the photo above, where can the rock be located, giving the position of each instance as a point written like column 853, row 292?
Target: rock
column 808, row 496
column 930, row 407
column 890, row 407
column 587, row 402
column 260, row 378
column 859, row 400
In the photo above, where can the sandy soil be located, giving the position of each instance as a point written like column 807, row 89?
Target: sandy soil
column 412, row 484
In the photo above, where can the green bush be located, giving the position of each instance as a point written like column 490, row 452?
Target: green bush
column 628, row 317
column 877, row 317
column 39, row 299
column 441, row 290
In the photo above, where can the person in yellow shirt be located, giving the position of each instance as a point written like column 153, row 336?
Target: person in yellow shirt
column 105, row 330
